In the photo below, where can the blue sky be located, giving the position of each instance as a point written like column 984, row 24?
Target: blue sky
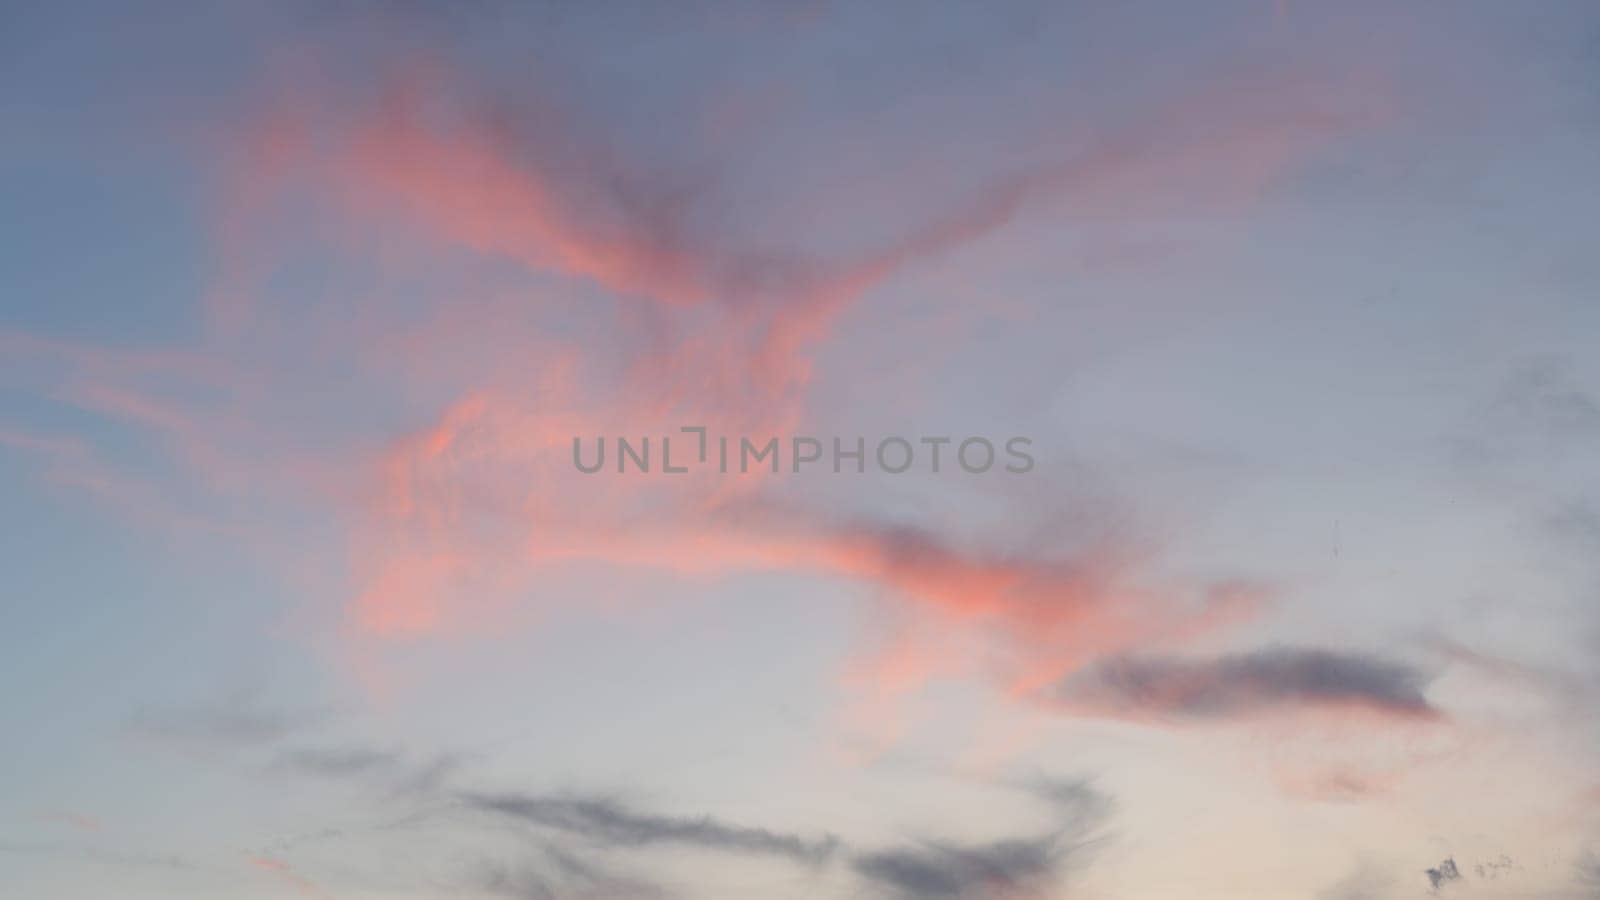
column 302, row 306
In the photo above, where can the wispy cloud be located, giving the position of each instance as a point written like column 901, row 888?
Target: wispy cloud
column 286, row 873
column 1007, row 868
column 556, row 874
column 335, row 761
column 77, row 820
column 104, row 857
column 241, row 721
column 1542, row 409
column 612, row 822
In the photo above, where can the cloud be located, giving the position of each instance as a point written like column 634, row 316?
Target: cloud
column 397, row 772
column 1365, row 883
column 515, row 179
column 1565, row 687
column 1006, row 868
column 335, row 761
column 1443, row 874
column 1589, row 875
column 244, row 724
column 557, row 874
column 709, row 319
column 238, row 722
column 1542, row 410
column 102, row 856
column 1494, row 868
column 76, row 820
column 1076, row 802
column 1338, row 784
column 288, row 875
column 609, row 821
column 1000, row 869
column 1547, row 398
column 1047, row 608
column 1250, row 683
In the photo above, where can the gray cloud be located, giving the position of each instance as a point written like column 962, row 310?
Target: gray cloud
column 403, row 773
column 998, row 869
column 608, row 821
column 1443, row 874
column 1003, row 868
column 1077, row 803
column 1245, row 683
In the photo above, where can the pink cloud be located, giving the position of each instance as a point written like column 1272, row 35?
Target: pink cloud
column 286, row 873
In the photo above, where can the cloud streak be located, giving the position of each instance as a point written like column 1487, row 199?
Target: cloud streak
column 286, row 873
column 240, row 722
column 1256, row 682
column 1008, row 868
column 556, row 874
column 335, row 762
column 611, row 822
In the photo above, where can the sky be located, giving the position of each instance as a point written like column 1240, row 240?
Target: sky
column 1278, row 319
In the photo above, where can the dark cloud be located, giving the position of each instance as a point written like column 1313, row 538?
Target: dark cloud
column 934, row 870
column 1004, row 868
column 608, row 821
column 1442, row 875
column 1246, row 683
